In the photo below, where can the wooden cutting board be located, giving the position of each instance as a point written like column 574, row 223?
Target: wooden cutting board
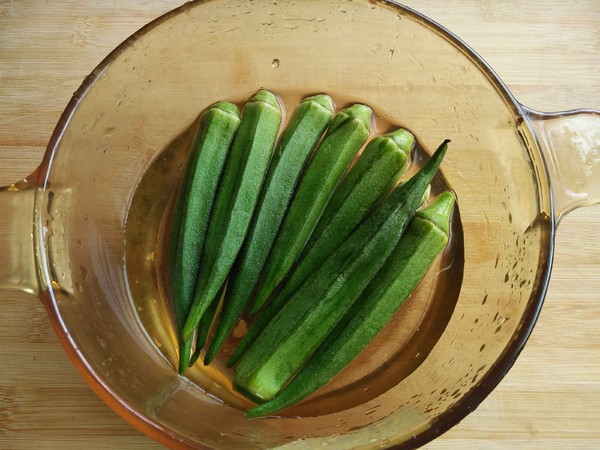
column 547, row 52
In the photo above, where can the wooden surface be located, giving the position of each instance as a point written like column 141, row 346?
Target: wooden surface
column 547, row 52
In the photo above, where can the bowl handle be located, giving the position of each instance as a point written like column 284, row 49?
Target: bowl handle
column 18, row 268
column 570, row 141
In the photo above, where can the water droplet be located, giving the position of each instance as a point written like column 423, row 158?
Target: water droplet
column 275, row 63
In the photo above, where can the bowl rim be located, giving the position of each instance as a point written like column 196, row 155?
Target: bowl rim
column 446, row 420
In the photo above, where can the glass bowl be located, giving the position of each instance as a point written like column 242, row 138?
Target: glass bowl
column 85, row 231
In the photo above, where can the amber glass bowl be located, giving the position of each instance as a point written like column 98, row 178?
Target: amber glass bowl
column 85, row 231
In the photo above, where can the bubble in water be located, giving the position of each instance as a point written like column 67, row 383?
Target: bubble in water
column 101, row 342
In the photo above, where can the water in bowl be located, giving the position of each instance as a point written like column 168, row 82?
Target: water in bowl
column 393, row 355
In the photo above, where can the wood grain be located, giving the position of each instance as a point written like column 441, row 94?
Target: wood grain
column 545, row 51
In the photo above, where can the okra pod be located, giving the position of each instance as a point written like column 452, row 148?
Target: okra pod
column 237, row 196
column 299, row 138
column 424, row 239
column 204, row 327
column 308, row 317
column 346, row 134
column 375, row 173
column 195, row 198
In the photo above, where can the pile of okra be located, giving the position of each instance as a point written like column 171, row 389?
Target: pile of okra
column 294, row 224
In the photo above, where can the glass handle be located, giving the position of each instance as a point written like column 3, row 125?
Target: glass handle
column 18, row 268
column 570, row 141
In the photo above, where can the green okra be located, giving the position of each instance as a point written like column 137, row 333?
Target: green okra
column 205, row 326
column 311, row 313
column 375, row 173
column 346, row 134
column 424, row 239
column 207, row 321
column 195, row 198
column 237, row 196
column 299, row 138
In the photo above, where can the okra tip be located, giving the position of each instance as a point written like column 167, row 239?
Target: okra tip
column 184, row 356
column 440, row 210
column 439, row 153
column 255, row 413
column 322, row 99
column 266, row 97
